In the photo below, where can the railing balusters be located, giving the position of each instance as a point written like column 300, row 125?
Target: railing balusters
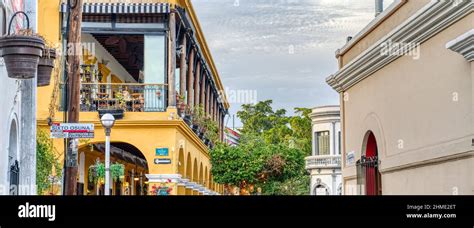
column 323, row 161
column 132, row 97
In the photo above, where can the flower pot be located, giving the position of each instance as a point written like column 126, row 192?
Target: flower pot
column 21, row 55
column 45, row 66
column 117, row 113
column 188, row 120
column 195, row 128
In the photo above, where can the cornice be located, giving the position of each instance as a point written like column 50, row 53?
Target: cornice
column 463, row 45
column 424, row 24
column 177, row 123
column 371, row 26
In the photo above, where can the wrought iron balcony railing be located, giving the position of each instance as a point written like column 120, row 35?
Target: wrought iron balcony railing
column 323, row 161
column 130, row 97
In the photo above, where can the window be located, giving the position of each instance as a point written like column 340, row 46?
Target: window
column 155, row 72
column 322, row 143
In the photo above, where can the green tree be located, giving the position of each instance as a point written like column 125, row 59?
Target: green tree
column 45, row 162
column 271, row 151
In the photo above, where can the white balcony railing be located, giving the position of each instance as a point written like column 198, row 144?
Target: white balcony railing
column 323, row 161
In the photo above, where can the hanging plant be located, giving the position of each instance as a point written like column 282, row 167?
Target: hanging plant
column 117, row 171
column 21, row 52
column 97, row 172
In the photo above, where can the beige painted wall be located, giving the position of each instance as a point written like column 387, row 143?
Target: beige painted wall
column 403, row 13
column 410, row 102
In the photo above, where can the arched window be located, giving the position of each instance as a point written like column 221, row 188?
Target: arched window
column 13, row 164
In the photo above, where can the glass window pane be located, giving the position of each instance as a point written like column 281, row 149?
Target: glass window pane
column 322, row 142
column 155, row 73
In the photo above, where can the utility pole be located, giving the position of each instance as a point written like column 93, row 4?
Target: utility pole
column 73, row 86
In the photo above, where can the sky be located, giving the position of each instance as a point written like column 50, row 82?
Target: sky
column 281, row 50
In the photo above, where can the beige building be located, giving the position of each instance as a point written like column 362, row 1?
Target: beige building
column 406, row 83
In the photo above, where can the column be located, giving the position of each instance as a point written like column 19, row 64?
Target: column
column 191, row 79
column 203, row 90
column 222, row 126
column 211, row 103
column 219, row 120
column 197, row 86
column 208, row 100
column 172, row 61
column 216, row 107
column 182, row 69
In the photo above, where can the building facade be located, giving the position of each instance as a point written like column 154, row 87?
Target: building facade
column 148, row 63
column 231, row 137
column 406, row 85
column 324, row 165
column 17, row 119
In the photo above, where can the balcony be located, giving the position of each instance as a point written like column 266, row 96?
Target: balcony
column 323, row 161
column 129, row 97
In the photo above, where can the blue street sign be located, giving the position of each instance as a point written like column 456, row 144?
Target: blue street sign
column 161, row 152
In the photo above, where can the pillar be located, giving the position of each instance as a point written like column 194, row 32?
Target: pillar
column 203, row 89
column 181, row 190
column 191, row 79
column 197, row 84
column 208, row 100
column 216, row 107
column 172, row 60
column 211, row 103
column 182, row 69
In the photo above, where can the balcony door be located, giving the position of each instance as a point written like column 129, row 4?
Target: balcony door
column 155, row 72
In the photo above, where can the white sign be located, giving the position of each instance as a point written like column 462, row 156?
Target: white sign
column 72, row 131
column 350, row 158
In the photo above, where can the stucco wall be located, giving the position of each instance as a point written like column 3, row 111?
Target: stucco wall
column 407, row 9
column 410, row 106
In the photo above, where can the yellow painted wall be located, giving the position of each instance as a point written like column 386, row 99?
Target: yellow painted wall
column 146, row 131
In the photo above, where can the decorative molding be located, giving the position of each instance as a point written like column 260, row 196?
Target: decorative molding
column 463, row 45
column 419, row 164
column 424, row 24
column 202, row 189
column 163, row 178
column 190, row 185
column 371, row 26
column 183, row 182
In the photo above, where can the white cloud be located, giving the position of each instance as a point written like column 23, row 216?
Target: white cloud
column 251, row 45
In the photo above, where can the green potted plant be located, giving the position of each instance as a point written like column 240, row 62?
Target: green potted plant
column 181, row 104
column 21, row 52
column 117, row 171
column 198, row 119
column 97, row 172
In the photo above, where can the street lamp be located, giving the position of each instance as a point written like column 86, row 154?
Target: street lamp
column 108, row 122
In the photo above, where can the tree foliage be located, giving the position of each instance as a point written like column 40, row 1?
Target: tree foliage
column 271, row 151
column 46, row 162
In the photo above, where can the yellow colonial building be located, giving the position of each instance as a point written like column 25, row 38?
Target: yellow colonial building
column 147, row 63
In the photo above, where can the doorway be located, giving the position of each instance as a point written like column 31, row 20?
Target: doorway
column 368, row 174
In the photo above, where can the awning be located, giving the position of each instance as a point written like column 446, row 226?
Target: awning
column 122, row 8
